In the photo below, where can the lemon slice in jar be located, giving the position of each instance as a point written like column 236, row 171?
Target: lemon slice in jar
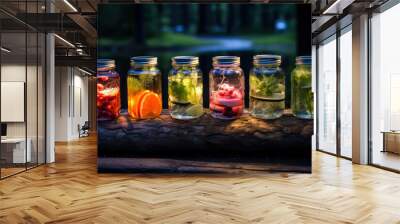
column 195, row 110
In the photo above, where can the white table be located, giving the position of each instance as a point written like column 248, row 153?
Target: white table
column 19, row 153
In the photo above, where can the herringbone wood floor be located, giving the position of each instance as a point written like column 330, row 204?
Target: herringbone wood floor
column 71, row 191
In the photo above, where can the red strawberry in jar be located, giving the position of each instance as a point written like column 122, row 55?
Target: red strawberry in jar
column 100, row 87
column 216, row 108
column 108, row 92
column 227, row 100
column 103, row 78
column 226, row 86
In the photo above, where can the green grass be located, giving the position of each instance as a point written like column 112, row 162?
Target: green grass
column 176, row 40
column 273, row 39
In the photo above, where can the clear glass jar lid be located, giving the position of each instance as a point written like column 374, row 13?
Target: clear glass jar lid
column 226, row 60
column 105, row 64
column 303, row 60
column 185, row 60
column 267, row 59
column 144, row 60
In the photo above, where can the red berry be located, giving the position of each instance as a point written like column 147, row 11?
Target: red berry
column 103, row 78
column 237, row 109
column 100, row 87
column 237, row 94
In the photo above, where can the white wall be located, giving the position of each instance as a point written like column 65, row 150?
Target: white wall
column 80, row 110
column 62, row 81
column 71, row 102
column 13, row 73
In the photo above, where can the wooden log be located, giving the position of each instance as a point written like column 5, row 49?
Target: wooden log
column 245, row 140
column 123, row 165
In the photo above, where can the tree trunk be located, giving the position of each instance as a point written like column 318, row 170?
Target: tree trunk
column 202, row 23
column 231, row 19
column 139, row 24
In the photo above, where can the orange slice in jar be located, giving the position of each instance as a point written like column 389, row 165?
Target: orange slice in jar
column 136, row 102
column 149, row 105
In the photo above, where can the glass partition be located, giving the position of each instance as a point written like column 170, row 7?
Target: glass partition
column 32, row 97
column 22, row 88
column 14, row 153
column 41, row 97
column 346, row 92
column 327, row 96
column 385, row 89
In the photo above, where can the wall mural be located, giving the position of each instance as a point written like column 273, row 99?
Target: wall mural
column 204, row 87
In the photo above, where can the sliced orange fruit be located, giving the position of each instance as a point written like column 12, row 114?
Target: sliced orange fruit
column 149, row 105
column 130, row 106
column 136, row 103
column 145, row 104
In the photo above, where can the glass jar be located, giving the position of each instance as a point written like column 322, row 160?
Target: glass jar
column 267, row 87
column 144, row 88
column 302, row 103
column 185, row 88
column 226, row 88
column 108, row 91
